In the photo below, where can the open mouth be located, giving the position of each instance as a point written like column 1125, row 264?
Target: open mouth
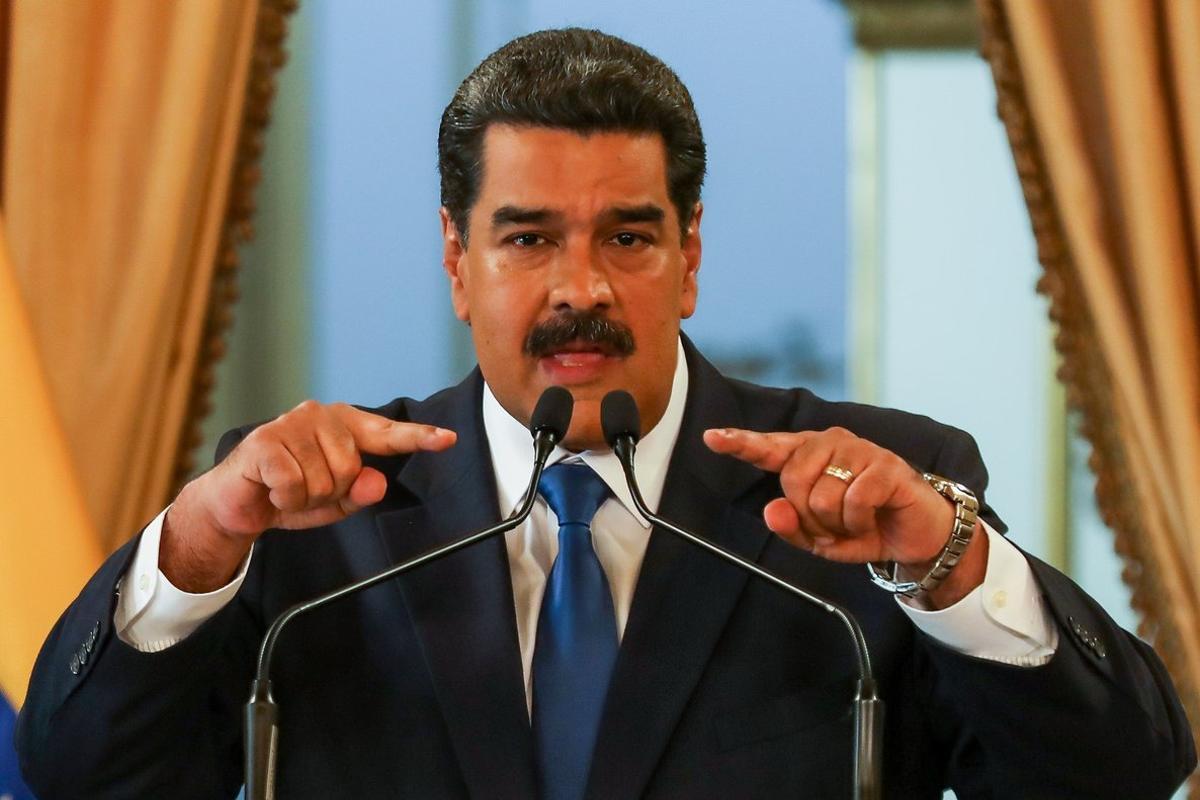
column 576, row 362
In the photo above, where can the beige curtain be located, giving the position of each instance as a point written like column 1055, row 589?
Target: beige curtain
column 127, row 167
column 1102, row 105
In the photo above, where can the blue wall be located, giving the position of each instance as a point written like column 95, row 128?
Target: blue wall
column 381, row 316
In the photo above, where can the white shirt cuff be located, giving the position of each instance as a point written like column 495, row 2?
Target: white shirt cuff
column 152, row 614
column 1003, row 619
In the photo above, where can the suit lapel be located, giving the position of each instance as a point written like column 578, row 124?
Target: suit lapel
column 684, row 596
column 462, row 606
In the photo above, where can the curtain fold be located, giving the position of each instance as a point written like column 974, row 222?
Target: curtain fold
column 120, row 144
column 1101, row 102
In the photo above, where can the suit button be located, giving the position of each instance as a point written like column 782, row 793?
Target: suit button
column 1089, row 639
column 75, row 665
column 94, row 635
column 82, row 655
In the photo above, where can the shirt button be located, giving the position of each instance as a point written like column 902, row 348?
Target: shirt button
column 1000, row 599
column 144, row 582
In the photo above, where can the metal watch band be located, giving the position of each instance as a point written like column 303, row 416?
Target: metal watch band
column 966, row 512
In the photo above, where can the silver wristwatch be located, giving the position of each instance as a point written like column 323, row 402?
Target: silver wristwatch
column 966, row 512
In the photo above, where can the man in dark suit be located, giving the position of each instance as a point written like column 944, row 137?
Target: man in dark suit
column 571, row 168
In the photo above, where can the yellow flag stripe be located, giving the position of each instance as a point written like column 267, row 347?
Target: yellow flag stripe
column 48, row 547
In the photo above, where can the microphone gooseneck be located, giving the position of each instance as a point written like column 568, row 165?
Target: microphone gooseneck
column 621, row 423
column 549, row 423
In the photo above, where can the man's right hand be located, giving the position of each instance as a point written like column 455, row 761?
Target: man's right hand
column 302, row 470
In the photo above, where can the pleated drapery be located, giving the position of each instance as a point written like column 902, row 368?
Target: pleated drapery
column 130, row 137
column 1101, row 101
column 129, row 144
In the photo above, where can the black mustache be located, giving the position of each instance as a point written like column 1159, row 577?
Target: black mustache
column 579, row 326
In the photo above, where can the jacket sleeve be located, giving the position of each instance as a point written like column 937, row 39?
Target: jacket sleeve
column 103, row 720
column 1101, row 719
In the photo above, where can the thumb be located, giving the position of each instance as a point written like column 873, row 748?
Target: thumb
column 368, row 488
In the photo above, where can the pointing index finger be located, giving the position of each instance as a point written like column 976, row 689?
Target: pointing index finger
column 767, row 451
column 382, row 436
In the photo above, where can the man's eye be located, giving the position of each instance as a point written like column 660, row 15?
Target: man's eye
column 628, row 239
column 527, row 240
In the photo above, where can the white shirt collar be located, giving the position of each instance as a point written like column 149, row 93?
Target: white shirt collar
column 512, row 450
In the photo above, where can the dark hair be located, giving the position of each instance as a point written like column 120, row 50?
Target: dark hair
column 579, row 80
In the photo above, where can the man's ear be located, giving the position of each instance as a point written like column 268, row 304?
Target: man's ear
column 691, row 250
column 454, row 262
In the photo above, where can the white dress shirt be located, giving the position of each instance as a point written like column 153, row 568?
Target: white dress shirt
column 1003, row 619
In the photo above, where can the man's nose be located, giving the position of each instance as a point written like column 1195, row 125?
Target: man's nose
column 579, row 279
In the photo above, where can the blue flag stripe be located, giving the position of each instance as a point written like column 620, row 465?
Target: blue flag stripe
column 11, row 785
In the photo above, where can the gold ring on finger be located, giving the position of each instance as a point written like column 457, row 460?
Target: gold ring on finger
column 841, row 473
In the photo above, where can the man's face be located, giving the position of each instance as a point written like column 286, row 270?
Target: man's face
column 569, row 229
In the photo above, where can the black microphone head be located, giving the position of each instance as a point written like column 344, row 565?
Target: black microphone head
column 619, row 417
column 553, row 413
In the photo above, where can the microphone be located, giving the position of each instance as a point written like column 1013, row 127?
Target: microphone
column 549, row 423
column 622, row 428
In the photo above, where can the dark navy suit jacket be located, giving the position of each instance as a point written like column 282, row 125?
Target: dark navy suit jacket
column 724, row 687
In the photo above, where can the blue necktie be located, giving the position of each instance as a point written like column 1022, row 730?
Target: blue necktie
column 576, row 638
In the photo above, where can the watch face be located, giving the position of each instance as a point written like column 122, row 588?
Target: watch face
column 953, row 491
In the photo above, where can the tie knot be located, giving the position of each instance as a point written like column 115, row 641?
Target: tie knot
column 574, row 491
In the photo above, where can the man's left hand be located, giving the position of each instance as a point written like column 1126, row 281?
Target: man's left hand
column 883, row 511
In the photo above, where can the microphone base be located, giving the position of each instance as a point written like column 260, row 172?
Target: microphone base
column 261, row 742
column 868, row 743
